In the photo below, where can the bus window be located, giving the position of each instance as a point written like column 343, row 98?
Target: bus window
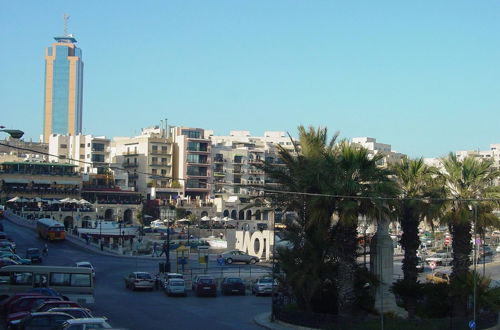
column 59, row 279
column 22, row 278
column 41, row 280
column 80, row 280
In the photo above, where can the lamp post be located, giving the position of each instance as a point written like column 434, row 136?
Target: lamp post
column 14, row 133
column 167, row 256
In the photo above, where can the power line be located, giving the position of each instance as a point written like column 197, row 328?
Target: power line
column 269, row 190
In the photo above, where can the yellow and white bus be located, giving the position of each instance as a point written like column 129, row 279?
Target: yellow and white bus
column 76, row 283
column 50, row 229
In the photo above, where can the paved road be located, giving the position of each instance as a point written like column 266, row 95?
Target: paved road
column 144, row 310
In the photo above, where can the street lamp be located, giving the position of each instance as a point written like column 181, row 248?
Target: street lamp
column 167, row 256
column 14, row 133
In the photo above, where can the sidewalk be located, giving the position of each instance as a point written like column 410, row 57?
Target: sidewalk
column 264, row 320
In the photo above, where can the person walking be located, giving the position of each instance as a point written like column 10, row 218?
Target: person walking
column 164, row 249
column 155, row 250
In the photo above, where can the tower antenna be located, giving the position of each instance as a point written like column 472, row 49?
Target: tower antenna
column 66, row 19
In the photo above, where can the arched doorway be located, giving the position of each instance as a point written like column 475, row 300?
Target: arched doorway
column 257, row 215
column 225, row 213
column 68, row 223
column 108, row 215
column 204, row 214
column 128, row 217
column 241, row 215
column 234, row 215
column 249, row 215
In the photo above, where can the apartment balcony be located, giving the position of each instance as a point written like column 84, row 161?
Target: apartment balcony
column 133, row 176
column 219, row 173
column 255, row 182
column 160, row 152
column 131, row 153
column 129, row 165
column 219, row 160
column 199, row 164
column 160, row 164
column 255, row 161
column 255, row 172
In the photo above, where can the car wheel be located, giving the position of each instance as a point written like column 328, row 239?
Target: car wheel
column 133, row 287
column 253, row 261
column 229, row 261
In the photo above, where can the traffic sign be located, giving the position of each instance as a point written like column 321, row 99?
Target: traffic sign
column 472, row 324
column 447, row 240
column 432, row 264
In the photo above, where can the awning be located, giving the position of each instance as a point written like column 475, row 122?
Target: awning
column 42, row 181
column 15, row 180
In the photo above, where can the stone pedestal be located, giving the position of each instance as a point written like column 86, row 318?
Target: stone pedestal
column 382, row 265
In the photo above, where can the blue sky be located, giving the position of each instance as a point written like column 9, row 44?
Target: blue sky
column 423, row 76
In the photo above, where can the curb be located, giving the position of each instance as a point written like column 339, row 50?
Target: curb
column 264, row 320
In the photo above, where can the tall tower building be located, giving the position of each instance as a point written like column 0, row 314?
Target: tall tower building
column 63, row 87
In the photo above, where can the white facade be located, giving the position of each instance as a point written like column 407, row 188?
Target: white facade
column 235, row 157
column 85, row 151
column 376, row 148
column 493, row 154
column 146, row 160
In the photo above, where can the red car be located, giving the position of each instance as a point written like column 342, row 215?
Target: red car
column 43, row 307
column 205, row 286
column 4, row 305
column 28, row 303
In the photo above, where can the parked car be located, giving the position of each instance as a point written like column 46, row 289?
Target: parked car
column 15, row 257
column 232, row 285
column 6, row 262
column 76, row 312
column 438, row 277
column 47, row 292
column 420, row 265
column 173, row 275
column 86, row 264
column 175, row 287
column 238, row 256
column 85, row 323
column 7, row 243
column 34, row 255
column 139, row 280
column 40, row 321
column 204, row 285
column 25, row 304
column 43, row 306
column 441, row 259
column 264, row 286
column 5, row 303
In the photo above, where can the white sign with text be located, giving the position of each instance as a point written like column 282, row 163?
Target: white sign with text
column 256, row 243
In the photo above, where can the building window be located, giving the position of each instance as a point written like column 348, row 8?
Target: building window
column 97, row 146
column 155, row 149
column 63, row 146
column 98, row 158
column 191, row 134
column 163, row 172
column 82, row 145
column 82, row 156
column 154, row 171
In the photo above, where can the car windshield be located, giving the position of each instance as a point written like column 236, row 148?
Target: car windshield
column 177, row 283
column 85, row 265
column 143, row 276
column 206, row 280
column 234, row 280
column 266, row 280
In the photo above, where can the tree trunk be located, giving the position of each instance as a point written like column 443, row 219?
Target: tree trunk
column 346, row 238
column 410, row 243
column 461, row 245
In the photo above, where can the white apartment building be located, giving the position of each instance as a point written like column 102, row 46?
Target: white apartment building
column 193, row 161
column 148, row 161
column 235, row 157
column 87, row 152
column 493, row 154
column 376, row 148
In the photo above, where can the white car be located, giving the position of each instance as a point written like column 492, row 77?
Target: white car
column 175, row 287
column 440, row 259
column 86, row 323
column 86, row 264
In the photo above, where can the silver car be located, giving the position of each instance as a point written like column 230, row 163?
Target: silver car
column 264, row 286
column 238, row 256
column 175, row 287
column 139, row 280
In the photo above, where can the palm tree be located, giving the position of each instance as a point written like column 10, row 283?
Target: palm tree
column 466, row 181
column 306, row 263
column 417, row 183
column 358, row 175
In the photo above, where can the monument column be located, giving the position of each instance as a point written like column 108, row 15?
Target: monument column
column 382, row 265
